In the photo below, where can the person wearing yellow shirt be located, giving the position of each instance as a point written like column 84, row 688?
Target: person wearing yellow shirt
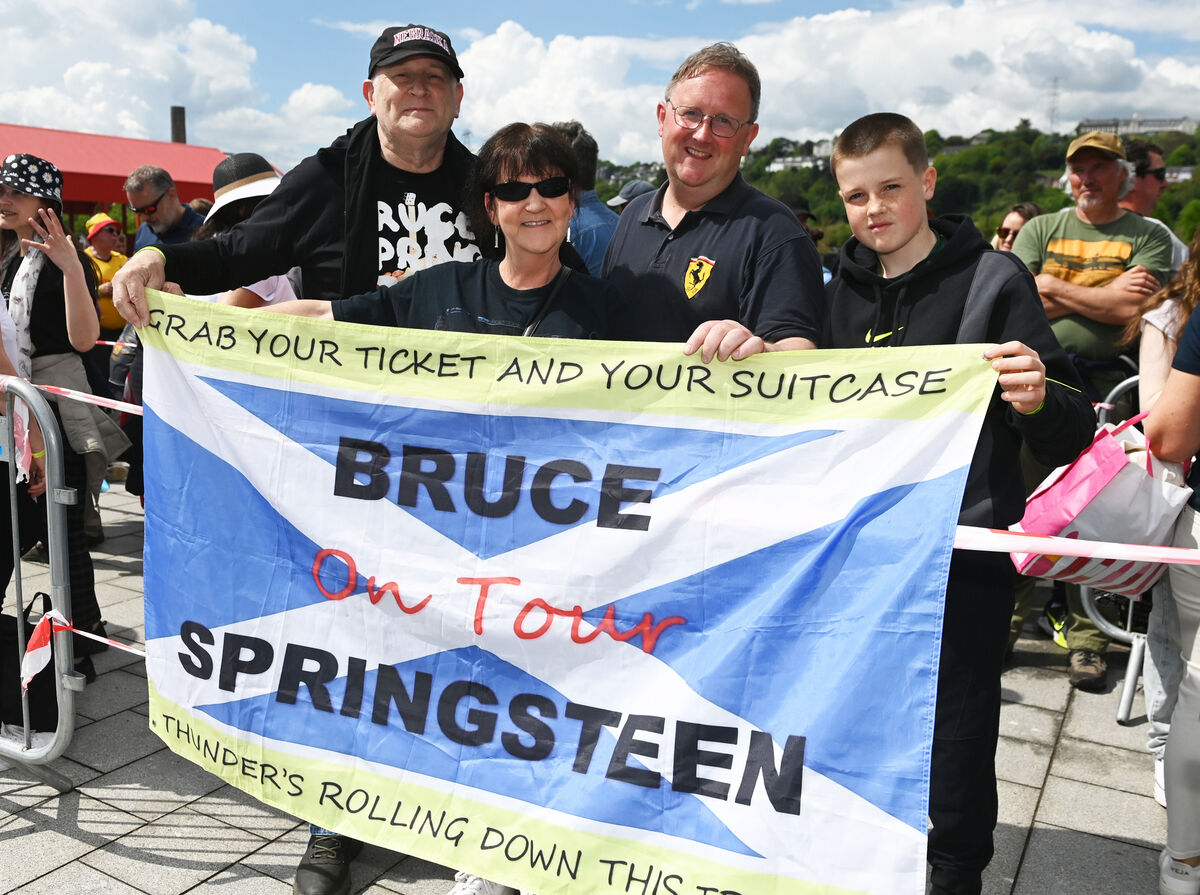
column 103, row 236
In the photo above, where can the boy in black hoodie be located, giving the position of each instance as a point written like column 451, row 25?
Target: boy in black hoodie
column 904, row 280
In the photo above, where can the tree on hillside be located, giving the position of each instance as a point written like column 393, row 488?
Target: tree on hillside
column 1182, row 155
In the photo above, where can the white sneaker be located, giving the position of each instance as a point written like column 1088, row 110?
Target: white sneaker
column 1177, row 878
column 1160, row 785
column 468, row 884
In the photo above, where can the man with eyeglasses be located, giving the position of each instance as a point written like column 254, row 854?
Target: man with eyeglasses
column 1149, row 183
column 707, row 259
column 165, row 220
column 382, row 200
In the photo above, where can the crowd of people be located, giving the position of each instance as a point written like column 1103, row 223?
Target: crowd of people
column 397, row 223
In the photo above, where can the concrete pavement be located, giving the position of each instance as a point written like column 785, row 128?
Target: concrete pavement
column 1076, row 808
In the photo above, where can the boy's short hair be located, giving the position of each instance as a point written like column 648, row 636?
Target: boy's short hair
column 878, row 129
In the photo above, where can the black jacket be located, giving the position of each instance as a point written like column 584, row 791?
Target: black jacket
column 319, row 219
column 924, row 307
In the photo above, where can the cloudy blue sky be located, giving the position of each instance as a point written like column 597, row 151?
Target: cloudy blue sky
column 285, row 78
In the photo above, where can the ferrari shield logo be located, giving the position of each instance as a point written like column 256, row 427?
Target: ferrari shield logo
column 698, row 270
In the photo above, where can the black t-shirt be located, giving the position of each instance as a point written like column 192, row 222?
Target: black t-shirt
column 420, row 223
column 471, row 297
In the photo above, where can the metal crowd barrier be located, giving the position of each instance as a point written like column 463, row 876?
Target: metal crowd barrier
column 1087, row 595
column 67, row 682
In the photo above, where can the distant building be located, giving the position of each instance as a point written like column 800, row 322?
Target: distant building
column 1137, row 125
column 809, row 154
column 792, row 162
column 1179, row 173
column 619, row 175
column 955, row 145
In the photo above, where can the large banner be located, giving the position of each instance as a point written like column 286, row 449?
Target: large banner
column 586, row 617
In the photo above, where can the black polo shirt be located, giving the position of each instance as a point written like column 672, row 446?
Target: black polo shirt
column 743, row 256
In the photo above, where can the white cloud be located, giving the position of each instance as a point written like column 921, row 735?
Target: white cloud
column 127, row 71
column 511, row 75
column 955, row 66
column 310, row 109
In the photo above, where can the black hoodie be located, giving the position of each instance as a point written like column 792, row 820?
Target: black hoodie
column 924, row 307
column 321, row 218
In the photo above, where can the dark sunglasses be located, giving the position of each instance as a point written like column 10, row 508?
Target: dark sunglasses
column 1159, row 173
column 1004, row 232
column 518, row 190
column 146, row 210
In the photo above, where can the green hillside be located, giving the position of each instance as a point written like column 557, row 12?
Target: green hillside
column 981, row 177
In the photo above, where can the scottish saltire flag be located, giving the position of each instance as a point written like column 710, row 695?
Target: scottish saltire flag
column 576, row 617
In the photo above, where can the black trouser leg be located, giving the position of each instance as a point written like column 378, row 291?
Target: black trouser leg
column 962, row 784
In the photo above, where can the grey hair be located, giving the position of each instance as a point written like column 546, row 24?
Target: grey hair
column 148, row 175
column 1127, row 184
column 1128, row 167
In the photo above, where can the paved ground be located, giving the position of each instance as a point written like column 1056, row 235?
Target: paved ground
column 1076, row 807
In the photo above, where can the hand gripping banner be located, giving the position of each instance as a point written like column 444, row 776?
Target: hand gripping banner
column 585, row 617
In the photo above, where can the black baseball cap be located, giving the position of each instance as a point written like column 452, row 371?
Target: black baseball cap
column 797, row 203
column 402, row 42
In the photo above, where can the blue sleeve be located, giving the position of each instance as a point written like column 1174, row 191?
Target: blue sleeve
column 1187, row 356
column 591, row 245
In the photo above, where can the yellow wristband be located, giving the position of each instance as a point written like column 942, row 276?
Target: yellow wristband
column 39, row 454
column 1037, row 409
column 152, row 249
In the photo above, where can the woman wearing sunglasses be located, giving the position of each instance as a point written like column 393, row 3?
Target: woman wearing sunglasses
column 49, row 288
column 519, row 200
column 1017, row 217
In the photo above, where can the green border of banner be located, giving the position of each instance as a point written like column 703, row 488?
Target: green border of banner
column 810, row 385
column 386, row 801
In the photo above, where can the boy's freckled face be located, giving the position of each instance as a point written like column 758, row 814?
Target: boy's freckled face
column 885, row 200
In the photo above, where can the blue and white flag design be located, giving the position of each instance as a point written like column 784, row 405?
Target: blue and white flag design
column 565, row 615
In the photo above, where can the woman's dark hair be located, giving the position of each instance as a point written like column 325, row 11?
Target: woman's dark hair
column 516, row 149
column 233, row 213
column 1027, row 210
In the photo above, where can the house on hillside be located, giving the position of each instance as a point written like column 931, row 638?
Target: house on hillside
column 792, row 162
column 1129, row 127
column 817, row 157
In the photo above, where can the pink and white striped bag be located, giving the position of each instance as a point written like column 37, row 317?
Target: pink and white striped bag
column 1114, row 491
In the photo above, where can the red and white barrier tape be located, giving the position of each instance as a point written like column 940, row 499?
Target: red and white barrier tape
column 83, row 397
column 966, row 537
column 996, row 540
column 90, row 636
column 117, row 344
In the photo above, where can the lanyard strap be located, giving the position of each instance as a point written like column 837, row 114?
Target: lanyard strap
column 563, row 273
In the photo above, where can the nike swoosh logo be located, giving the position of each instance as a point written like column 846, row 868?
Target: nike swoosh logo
column 870, row 340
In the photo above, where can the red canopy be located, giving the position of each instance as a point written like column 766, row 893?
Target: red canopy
column 94, row 167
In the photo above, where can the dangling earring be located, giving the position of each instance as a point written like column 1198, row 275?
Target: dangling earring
column 496, row 238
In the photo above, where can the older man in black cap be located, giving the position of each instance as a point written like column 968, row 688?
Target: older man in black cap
column 382, row 200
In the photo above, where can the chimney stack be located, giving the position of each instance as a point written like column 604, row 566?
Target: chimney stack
column 178, row 124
